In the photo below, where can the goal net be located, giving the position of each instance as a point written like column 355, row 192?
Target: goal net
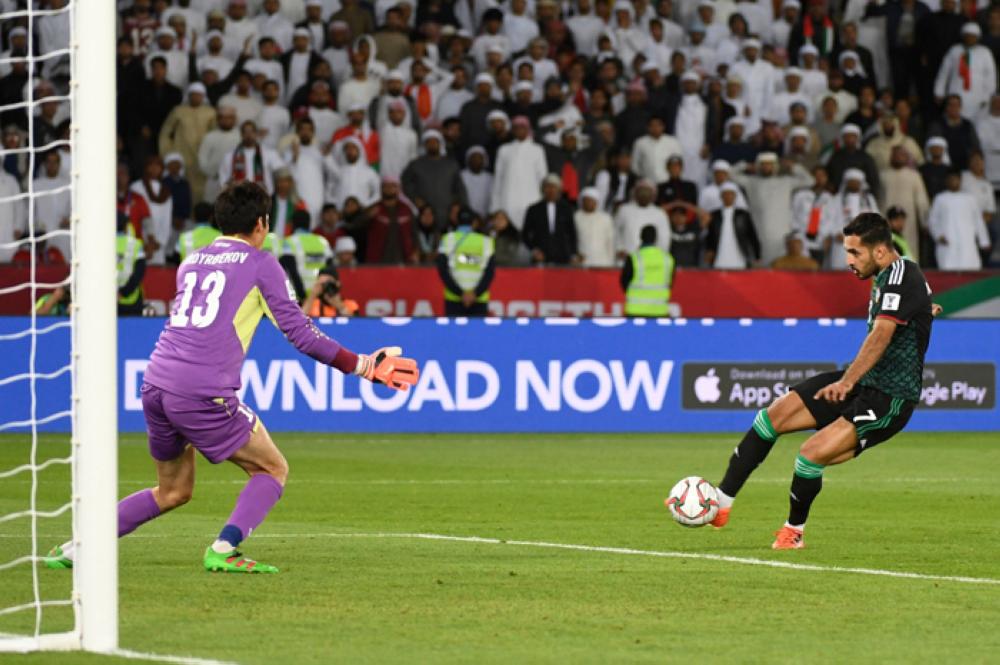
column 58, row 421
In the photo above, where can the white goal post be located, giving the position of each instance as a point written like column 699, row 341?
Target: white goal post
column 95, row 343
column 93, row 316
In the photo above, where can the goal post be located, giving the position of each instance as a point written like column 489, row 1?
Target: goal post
column 81, row 32
column 95, row 376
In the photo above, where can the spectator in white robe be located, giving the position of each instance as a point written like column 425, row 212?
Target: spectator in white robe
column 272, row 23
column 338, row 50
column 239, row 26
column 813, row 78
column 585, row 26
column 518, row 26
column 177, row 61
column 217, row 144
column 640, row 212
column 521, row 166
column 651, row 151
column 452, row 98
column 595, row 231
column 780, row 29
column 350, row 175
column 710, row 196
column 956, row 224
column 988, row 130
column 692, row 114
column 214, row 58
column 52, row 201
column 544, row 67
column 398, row 141
column 734, row 94
column 715, row 24
column 158, row 230
column 974, row 182
column 361, row 88
column 250, row 160
column 853, row 199
column 273, row 119
column 630, row 39
column 969, row 71
column 13, row 215
column 781, row 102
column 488, row 36
column 243, row 98
column 326, row 120
column 769, row 188
column 477, row 179
column 307, row 163
column 759, row 77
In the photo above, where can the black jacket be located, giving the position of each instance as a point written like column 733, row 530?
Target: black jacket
column 560, row 247
column 746, row 234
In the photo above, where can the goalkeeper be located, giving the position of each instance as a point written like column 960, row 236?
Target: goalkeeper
column 189, row 392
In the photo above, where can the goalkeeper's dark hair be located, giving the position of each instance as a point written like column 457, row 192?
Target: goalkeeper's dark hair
column 871, row 228
column 239, row 206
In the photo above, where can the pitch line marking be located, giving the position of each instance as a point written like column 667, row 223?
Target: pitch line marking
column 163, row 658
column 704, row 556
column 746, row 561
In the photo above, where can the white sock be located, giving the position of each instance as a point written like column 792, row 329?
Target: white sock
column 797, row 527
column 68, row 550
column 222, row 547
column 725, row 501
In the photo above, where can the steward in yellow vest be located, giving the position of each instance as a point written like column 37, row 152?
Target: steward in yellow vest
column 304, row 254
column 131, row 269
column 466, row 266
column 647, row 277
column 201, row 236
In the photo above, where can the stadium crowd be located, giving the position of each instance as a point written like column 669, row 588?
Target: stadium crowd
column 747, row 133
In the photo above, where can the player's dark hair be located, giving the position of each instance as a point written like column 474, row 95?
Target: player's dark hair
column 239, row 206
column 648, row 234
column 871, row 228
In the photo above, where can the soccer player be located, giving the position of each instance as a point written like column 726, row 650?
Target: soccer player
column 855, row 409
column 189, row 391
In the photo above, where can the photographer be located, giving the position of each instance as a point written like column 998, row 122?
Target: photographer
column 325, row 298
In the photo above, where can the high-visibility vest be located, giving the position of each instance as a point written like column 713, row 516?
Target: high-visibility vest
column 197, row 238
column 311, row 252
column 129, row 250
column 272, row 244
column 649, row 291
column 468, row 255
column 904, row 246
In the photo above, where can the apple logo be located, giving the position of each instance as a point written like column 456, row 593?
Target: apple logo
column 706, row 387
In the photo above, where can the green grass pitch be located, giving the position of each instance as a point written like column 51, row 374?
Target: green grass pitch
column 922, row 503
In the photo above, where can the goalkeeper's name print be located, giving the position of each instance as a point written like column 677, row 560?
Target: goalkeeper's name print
column 217, row 259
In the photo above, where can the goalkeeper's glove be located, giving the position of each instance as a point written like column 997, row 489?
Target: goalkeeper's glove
column 386, row 366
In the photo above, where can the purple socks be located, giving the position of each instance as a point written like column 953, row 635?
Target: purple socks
column 135, row 510
column 255, row 502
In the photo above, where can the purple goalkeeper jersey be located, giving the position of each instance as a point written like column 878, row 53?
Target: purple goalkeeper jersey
column 223, row 291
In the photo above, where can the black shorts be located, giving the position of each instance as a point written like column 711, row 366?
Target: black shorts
column 876, row 417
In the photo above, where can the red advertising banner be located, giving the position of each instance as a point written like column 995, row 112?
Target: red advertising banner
column 532, row 292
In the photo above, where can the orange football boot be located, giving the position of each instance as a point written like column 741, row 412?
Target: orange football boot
column 788, row 538
column 721, row 518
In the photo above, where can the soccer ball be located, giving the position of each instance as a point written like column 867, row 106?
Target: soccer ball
column 693, row 502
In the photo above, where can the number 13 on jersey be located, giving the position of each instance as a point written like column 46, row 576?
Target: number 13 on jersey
column 205, row 297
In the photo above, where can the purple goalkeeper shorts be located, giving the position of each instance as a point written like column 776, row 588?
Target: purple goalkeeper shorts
column 216, row 427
